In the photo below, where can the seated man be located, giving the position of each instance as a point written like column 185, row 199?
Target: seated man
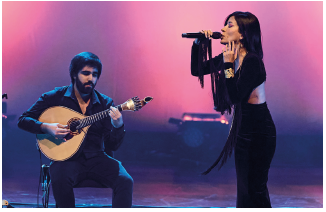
column 105, row 136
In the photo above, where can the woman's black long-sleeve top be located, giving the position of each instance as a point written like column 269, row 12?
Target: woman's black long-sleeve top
column 250, row 75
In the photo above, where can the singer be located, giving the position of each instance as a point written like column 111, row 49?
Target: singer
column 94, row 159
column 238, row 81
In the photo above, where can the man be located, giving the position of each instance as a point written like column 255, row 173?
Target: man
column 90, row 161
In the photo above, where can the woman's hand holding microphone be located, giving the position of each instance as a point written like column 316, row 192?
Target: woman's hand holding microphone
column 207, row 33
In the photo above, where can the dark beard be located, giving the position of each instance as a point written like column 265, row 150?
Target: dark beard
column 82, row 89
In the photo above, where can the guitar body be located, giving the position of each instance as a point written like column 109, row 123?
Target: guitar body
column 58, row 149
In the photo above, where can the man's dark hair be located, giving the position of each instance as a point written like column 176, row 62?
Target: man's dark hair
column 84, row 59
column 249, row 28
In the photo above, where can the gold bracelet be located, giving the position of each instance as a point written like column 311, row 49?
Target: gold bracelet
column 229, row 73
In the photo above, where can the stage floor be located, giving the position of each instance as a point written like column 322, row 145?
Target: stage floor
column 171, row 187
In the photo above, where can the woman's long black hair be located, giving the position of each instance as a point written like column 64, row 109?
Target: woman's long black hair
column 249, row 28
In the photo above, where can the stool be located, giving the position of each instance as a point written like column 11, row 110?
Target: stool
column 81, row 183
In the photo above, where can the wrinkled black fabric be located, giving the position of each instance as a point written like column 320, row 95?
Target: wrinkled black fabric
column 200, row 66
column 256, row 142
column 252, row 135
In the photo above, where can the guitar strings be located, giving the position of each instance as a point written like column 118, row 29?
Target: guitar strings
column 91, row 119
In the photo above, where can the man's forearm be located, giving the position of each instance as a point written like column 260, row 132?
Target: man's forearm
column 30, row 125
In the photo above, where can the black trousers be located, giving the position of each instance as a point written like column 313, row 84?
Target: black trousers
column 101, row 168
column 255, row 147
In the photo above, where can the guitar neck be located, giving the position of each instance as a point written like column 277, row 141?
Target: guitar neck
column 95, row 117
column 92, row 119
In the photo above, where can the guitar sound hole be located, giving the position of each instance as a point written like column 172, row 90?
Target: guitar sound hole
column 72, row 125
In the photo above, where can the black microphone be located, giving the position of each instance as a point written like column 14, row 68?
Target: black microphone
column 216, row 35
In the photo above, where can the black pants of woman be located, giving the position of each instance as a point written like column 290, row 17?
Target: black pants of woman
column 255, row 147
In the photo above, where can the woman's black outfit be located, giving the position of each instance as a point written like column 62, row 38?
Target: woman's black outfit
column 252, row 135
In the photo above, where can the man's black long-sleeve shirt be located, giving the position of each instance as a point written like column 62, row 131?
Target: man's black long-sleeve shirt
column 100, row 137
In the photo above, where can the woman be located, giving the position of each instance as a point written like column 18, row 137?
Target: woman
column 238, row 80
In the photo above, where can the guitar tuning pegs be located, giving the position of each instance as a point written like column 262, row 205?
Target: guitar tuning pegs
column 146, row 100
column 134, row 103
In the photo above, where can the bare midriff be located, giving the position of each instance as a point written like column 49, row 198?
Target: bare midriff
column 257, row 96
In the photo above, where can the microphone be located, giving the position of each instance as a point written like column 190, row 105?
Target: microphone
column 216, row 35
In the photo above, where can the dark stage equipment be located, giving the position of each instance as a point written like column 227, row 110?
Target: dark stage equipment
column 5, row 204
column 200, row 137
column 4, row 106
column 195, row 127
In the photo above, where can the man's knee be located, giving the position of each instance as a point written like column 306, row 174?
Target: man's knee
column 125, row 181
column 130, row 181
column 58, row 174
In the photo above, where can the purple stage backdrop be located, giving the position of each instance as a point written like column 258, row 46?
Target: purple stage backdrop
column 143, row 54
